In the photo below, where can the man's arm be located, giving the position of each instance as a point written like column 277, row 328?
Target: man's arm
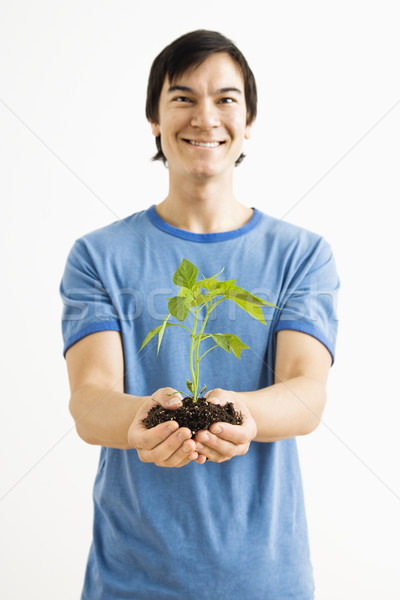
column 292, row 406
column 104, row 415
column 101, row 410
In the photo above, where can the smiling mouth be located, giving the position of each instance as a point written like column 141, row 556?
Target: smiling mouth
column 204, row 144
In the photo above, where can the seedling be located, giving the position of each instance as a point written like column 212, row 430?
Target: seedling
column 196, row 297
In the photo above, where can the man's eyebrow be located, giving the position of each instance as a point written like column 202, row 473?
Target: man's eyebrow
column 180, row 88
column 226, row 90
column 185, row 88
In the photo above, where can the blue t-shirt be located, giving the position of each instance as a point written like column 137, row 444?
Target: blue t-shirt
column 233, row 530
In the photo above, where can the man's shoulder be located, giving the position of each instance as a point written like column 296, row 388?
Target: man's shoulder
column 123, row 236
column 284, row 234
column 125, row 227
column 112, row 243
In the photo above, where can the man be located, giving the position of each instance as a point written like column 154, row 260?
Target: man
column 230, row 522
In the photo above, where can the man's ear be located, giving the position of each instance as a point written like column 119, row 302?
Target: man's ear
column 247, row 131
column 155, row 128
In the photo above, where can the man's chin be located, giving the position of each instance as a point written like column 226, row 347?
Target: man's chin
column 204, row 171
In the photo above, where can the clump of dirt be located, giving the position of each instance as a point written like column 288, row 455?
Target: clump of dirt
column 196, row 416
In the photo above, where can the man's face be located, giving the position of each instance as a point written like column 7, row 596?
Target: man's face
column 202, row 119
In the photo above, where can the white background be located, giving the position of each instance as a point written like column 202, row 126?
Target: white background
column 75, row 155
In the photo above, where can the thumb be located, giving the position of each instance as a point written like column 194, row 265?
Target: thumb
column 173, row 400
column 216, row 397
column 169, row 398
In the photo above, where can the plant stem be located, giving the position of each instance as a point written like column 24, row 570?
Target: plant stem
column 191, row 358
column 212, row 306
column 197, row 359
column 179, row 325
column 212, row 348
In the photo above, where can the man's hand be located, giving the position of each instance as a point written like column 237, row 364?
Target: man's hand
column 224, row 440
column 167, row 444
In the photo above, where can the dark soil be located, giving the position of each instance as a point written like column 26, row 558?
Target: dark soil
column 196, row 416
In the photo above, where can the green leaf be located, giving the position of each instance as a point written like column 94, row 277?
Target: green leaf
column 222, row 341
column 210, row 283
column 152, row 333
column 161, row 332
column 236, row 292
column 221, row 289
column 229, row 342
column 195, row 295
column 251, row 309
column 203, row 389
column 176, row 392
column 201, row 336
column 186, row 274
column 186, row 293
column 198, row 297
column 179, row 306
column 189, row 386
column 248, row 302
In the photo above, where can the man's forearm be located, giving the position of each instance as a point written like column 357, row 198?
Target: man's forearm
column 102, row 416
column 286, row 409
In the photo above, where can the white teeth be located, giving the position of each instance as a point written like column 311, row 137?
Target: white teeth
column 205, row 144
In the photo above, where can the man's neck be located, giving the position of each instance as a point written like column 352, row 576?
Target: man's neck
column 203, row 209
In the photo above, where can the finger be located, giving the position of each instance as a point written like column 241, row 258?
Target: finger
column 216, row 400
column 201, row 459
column 211, row 455
column 176, row 448
column 216, row 397
column 185, row 453
column 148, row 439
column 194, row 456
column 235, row 434
column 168, row 398
column 213, row 448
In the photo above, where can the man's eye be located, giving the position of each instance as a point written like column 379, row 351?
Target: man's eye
column 227, row 100
column 181, row 99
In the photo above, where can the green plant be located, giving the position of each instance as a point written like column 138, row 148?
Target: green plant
column 196, row 296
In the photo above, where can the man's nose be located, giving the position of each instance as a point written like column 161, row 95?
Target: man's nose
column 205, row 115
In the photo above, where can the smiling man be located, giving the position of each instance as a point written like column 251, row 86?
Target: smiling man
column 221, row 515
column 202, row 121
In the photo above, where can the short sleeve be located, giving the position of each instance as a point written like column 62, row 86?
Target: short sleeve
column 87, row 305
column 310, row 302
